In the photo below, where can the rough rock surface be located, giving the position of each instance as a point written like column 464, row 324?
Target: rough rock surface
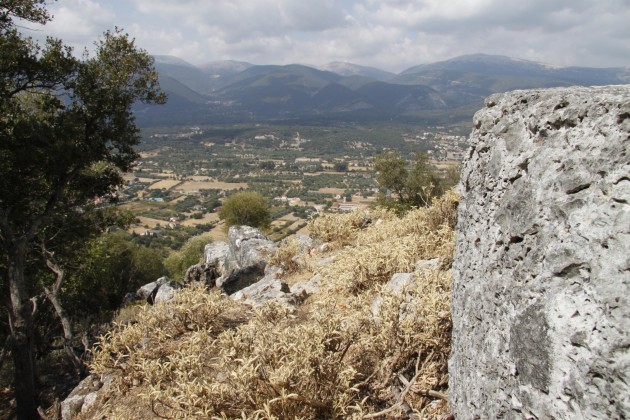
column 166, row 292
column 246, row 258
column 269, row 288
column 83, row 396
column 248, row 247
column 216, row 254
column 149, row 290
column 541, row 274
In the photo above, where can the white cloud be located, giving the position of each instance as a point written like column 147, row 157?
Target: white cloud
column 392, row 34
column 79, row 21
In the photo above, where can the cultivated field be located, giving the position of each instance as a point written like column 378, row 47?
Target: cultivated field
column 165, row 183
column 333, row 191
column 210, row 185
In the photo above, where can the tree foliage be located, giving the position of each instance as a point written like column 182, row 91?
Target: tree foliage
column 246, row 208
column 108, row 266
column 191, row 253
column 405, row 184
column 66, row 135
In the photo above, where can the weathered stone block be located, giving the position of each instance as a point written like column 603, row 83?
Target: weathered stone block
column 541, row 274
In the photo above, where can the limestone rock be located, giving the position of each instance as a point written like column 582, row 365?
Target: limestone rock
column 267, row 289
column 85, row 390
column 166, row 292
column 246, row 259
column 216, row 253
column 149, row 290
column 248, row 247
column 541, row 274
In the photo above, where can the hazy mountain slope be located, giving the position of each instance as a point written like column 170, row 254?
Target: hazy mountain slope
column 402, row 97
column 233, row 90
column 220, row 72
column 184, row 73
column 349, row 69
column 471, row 78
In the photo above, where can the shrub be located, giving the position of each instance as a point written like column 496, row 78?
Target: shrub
column 191, row 253
column 245, row 208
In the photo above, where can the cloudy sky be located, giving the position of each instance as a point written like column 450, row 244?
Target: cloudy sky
column 389, row 34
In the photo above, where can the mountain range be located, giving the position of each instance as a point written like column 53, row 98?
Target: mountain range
column 235, row 91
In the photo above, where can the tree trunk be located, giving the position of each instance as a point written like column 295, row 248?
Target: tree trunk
column 22, row 334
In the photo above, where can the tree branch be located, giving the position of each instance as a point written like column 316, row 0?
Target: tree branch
column 398, row 404
column 52, row 296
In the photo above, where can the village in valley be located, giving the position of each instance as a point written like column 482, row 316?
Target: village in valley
column 184, row 174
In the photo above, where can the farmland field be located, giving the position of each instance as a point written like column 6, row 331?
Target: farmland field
column 165, row 183
column 210, row 185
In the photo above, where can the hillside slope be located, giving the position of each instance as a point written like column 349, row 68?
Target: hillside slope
column 355, row 349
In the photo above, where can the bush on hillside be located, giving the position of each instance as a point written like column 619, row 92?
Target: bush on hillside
column 246, row 208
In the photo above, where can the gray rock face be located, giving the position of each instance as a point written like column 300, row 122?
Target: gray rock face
column 166, row 292
column 216, row 254
column 269, row 288
column 248, row 247
column 541, row 274
column 82, row 397
column 149, row 290
column 246, row 259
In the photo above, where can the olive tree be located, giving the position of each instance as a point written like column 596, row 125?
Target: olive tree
column 66, row 134
column 404, row 184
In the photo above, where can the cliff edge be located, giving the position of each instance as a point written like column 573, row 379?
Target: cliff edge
column 541, row 273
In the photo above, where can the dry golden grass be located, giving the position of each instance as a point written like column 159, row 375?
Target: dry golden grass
column 205, row 356
column 165, row 183
column 331, row 190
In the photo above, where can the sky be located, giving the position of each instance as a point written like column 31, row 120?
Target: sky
column 389, row 34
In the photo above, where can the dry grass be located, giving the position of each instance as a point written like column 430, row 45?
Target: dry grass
column 165, row 183
column 204, row 356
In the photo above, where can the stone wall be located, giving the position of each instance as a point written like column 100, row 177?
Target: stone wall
column 541, row 278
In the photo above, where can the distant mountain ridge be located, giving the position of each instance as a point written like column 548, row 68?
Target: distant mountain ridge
column 229, row 91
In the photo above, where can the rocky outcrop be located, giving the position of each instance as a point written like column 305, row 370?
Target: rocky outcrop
column 246, row 258
column 84, row 395
column 541, row 274
column 269, row 288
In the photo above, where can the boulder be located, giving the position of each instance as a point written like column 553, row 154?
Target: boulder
column 166, row 292
column 83, row 394
column 269, row 288
column 149, row 290
column 246, row 259
column 247, row 247
column 541, row 273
